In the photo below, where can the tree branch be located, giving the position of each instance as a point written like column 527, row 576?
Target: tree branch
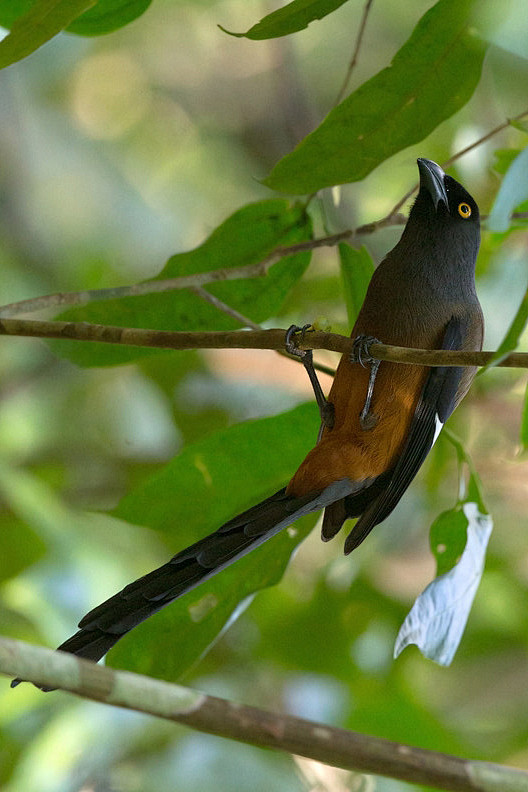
column 355, row 55
column 334, row 746
column 459, row 154
column 198, row 280
column 242, row 339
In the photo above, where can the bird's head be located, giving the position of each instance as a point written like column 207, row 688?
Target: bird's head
column 444, row 217
column 442, row 196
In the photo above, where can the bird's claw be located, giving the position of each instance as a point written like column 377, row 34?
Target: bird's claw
column 326, row 409
column 361, row 354
column 290, row 342
column 361, row 350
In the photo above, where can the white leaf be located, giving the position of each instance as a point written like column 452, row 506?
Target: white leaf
column 437, row 619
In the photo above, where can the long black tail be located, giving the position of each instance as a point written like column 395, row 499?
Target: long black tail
column 103, row 626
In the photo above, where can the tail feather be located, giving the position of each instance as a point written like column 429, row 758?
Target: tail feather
column 103, row 626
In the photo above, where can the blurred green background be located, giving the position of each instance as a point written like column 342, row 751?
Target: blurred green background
column 115, row 153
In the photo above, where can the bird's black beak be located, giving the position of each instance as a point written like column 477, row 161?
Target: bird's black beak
column 432, row 180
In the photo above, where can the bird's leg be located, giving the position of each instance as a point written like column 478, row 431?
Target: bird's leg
column 361, row 354
column 326, row 409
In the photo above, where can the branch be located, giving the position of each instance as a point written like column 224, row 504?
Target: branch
column 355, row 55
column 242, row 339
column 334, row 746
column 200, row 279
column 394, row 217
column 196, row 281
column 247, row 322
column 459, row 154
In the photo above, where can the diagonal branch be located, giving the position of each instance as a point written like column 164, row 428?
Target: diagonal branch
column 455, row 157
column 334, row 746
column 355, row 54
column 195, row 281
column 260, row 269
column 245, row 339
column 200, row 279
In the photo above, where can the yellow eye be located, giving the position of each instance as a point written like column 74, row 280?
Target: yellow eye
column 464, row 210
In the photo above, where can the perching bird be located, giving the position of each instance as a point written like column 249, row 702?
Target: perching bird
column 370, row 447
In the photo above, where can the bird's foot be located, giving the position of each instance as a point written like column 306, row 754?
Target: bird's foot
column 361, row 350
column 361, row 354
column 326, row 409
column 293, row 333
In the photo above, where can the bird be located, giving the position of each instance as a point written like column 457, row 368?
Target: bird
column 379, row 421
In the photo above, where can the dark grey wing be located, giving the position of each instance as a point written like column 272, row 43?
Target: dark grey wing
column 437, row 402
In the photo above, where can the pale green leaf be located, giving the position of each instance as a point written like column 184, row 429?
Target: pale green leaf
column 513, row 192
column 438, row 618
column 459, row 539
column 43, row 20
column 431, row 77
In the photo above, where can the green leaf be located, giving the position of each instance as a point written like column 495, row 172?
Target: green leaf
column 108, row 15
column 21, row 547
column 35, row 24
column 503, row 158
column 448, row 537
column 245, row 238
column 205, row 485
column 103, row 17
column 459, row 538
column 524, row 423
column 520, row 125
column 513, row 192
column 295, row 16
column 357, row 269
column 513, row 335
column 431, row 77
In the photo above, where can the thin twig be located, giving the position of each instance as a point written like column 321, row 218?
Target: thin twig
column 200, row 279
column 68, row 299
column 223, row 307
column 333, row 746
column 484, row 138
column 247, row 322
column 457, row 156
column 245, row 339
column 355, row 55
column 146, row 287
column 260, row 269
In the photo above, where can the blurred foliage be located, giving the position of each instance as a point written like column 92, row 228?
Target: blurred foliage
column 147, row 146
